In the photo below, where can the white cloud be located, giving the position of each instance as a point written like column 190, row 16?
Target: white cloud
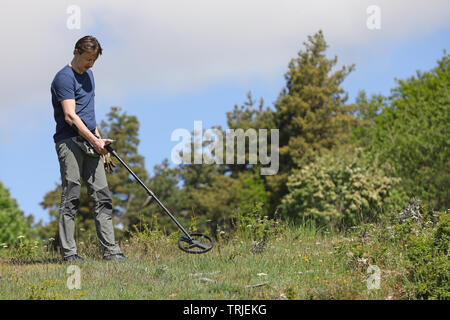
column 181, row 45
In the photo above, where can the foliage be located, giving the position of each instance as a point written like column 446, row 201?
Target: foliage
column 245, row 117
column 412, row 134
column 411, row 250
column 12, row 221
column 225, row 194
column 429, row 261
column 251, row 223
column 340, row 189
column 310, row 112
column 366, row 110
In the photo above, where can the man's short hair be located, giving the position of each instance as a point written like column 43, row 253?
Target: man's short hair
column 90, row 44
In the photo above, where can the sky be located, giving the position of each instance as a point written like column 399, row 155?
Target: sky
column 173, row 62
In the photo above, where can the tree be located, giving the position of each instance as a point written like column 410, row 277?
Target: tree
column 310, row 112
column 218, row 201
column 245, row 117
column 128, row 195
column 412, row 134
column 12, row 221
column 366, row 110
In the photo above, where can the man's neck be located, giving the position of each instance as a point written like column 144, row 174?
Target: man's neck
column 73, row 65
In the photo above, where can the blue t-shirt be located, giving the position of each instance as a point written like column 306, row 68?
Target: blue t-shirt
column 69, row 84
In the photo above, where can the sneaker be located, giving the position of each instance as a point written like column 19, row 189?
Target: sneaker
column 73, row 258
column 116, row 256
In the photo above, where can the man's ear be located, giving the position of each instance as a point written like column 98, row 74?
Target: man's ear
column 75, row 52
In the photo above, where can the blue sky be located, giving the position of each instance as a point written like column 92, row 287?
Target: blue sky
column 175, row 62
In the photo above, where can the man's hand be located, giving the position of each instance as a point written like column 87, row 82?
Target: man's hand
column 99, row 146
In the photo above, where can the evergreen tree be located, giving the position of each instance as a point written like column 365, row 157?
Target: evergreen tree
column 245, row 117
column 128, row 195
column 310, row 111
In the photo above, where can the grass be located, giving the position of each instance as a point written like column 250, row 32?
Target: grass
column 295, row 263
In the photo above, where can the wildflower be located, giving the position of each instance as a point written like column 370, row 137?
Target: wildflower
column 20, row 237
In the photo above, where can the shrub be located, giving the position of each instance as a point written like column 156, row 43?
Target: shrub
column 13, row 224
column 251, row 224
column 341, row 190
column 429, row 263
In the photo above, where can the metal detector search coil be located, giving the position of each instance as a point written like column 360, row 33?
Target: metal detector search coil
column 190, row 243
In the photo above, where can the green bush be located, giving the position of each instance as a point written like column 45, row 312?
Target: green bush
column 251, row 224
column 13, row 224
column 339, row 189
column 429, row 264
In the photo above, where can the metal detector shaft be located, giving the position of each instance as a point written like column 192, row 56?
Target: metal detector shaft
column 114, row 153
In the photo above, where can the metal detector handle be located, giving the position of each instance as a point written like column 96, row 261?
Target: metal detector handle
column 109, row 147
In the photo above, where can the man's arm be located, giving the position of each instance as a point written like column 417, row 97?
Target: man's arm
column 73, row 119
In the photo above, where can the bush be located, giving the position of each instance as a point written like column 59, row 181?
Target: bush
column 429, row 263
column 339, row 190
column 251, row 224
column 12, row 222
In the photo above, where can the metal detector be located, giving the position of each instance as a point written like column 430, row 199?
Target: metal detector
column 190, row 243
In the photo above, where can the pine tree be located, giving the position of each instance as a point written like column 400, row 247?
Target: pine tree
column 245, row 117
column 310, row 111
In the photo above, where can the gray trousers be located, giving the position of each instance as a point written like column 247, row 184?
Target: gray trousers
column 76, row 165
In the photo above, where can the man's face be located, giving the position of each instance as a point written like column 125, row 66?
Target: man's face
column 85, row 61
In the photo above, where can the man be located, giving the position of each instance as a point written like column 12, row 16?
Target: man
column 76, row 138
